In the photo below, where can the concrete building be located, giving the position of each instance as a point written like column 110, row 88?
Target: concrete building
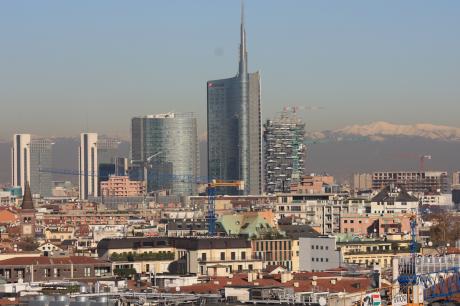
column 362, row 181
column 169, row 144
column 320, row 211
column 214, row 256
column 418, row 182
column 122, row 186
column 277, row 252
column 284, row 152
column 314, row 184
column 379, row 225
column 367, row 253
column 30, row 155
column 318, row 253
column 88, row 166
column 456, row 179
column 43, row 268
column 234, row 127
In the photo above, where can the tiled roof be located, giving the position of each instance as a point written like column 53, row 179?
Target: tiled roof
column 45, row 260
column 326, row 281
column 386, row 195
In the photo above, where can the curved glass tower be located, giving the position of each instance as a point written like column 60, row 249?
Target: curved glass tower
column 169, row 143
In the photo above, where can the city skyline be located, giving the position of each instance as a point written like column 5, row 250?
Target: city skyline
column 346, row 57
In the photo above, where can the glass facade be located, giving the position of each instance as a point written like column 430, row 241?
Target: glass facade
column 41, row 158
column 170, row 143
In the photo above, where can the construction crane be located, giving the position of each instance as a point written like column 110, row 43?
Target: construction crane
column 421, row 158
column 211, row 191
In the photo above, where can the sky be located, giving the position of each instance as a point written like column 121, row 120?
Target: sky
column 73, row 66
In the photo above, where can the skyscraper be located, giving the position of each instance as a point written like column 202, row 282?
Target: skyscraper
column 168, row 143
column 20, row 160
column 284, row 152
column 28, row 156
column 88, row 166
column 234, row 125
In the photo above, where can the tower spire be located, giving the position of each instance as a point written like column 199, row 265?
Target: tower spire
column 243, row 68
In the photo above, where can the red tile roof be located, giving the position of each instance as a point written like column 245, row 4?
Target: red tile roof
column 44, row 260
column 330, row 284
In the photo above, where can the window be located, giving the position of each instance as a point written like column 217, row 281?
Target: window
column 250, row 267
column 313, row 259
column 317, row 247
column 327, row 259
column 312, row 247
column 321, row 259
column 240, row 267
column 222, row 255
column 203, row 256
column 233, row 255
column 327, row 248
column 87, row 271
column 352, row 221
column 322, row 247
column 243, row 255
column 345, row 221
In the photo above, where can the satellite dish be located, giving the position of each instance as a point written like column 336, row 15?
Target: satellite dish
column 322, row 301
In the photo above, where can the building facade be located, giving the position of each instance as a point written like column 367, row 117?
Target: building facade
column 318, row 253
column 29, row 156
column 420, row 182
column 234, row 127
column 362, row 181
column 88, row 166
column 169, row 144
column 122, row 186
column 284, row 152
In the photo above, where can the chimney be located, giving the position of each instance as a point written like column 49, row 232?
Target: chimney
column 296, row 284
column 286, row 277
column 313, row 283
column 333, row 281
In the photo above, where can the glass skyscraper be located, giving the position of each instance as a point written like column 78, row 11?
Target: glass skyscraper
column 169, row 144
column 234, row 126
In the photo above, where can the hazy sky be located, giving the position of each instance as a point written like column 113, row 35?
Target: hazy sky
column 66, row 66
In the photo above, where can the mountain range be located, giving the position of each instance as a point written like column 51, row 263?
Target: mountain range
column 381, row 130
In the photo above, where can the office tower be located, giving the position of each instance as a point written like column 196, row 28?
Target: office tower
column 421, row 182
column 121, row 166
column 88, row 165
column 234, row 126
column 107, row 149
column 456, row 179
column 20, row 160
column 168, row 144
column 29, row 156
column 284, row 152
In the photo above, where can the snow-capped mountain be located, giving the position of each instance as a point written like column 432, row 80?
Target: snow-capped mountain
column 380, row 130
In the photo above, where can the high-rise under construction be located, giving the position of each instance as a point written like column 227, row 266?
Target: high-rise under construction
column 284, row 151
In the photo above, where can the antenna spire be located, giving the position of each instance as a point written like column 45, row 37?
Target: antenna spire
column 243, row 68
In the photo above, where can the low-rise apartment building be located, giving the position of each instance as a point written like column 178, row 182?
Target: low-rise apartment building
column 122, row 186
column 43, row 268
